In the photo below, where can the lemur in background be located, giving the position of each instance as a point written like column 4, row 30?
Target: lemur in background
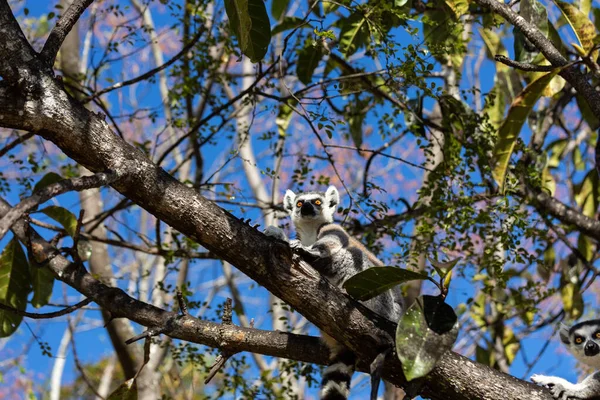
column 583, row 341
column 339, row 256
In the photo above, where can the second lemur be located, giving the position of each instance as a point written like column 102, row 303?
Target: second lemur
column 583, row 341
column 339, row 256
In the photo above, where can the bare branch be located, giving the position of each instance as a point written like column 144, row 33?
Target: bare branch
column 62, row 29
column 150, row 73
column 53, row 314
column 85, row 182
column 523, row 66
column 15, row 143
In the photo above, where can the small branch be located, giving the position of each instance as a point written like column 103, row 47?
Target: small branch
column 225, row 355
column 217, row 111
column 42, row 195
column 49, row 315
column 148, row 74
column 62, row 29
column 523, row 66
column 15, row 143
column 181, row 302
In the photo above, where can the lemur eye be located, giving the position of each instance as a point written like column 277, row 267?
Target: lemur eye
column 317, row 202
column 597, row 335
column 578, row 340
column 299, row 204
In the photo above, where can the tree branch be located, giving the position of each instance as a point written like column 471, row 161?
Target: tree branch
column 150, row 73
column 15, row 50
column 54, row 314
column 55, row 189
column 62, row 29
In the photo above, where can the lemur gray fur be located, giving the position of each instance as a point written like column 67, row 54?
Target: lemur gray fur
column 583, row 341
column 337, row 256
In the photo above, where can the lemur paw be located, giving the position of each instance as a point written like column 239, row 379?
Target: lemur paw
column 555, row 386
column 296, row 244
column 276, row 232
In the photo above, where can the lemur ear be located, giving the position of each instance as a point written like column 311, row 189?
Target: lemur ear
column 332, row 197
column 288, row 201
column 564, row 333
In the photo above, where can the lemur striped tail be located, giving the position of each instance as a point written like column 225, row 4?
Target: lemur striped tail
column 336, row 377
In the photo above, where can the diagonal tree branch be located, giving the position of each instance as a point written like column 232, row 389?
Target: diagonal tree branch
column 62, row 29
column 531, row 32
column 15, row 50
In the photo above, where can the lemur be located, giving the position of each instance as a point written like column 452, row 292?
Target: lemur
column 339, row 256
column 583, row 341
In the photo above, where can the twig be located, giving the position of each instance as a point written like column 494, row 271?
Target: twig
column 62, row 29
column 49, row 315
column 523, row 66
column 148, row 74
column 224, row 356
column 52, row 190
column 216, row 112
column 181, row 302
column 15, row 143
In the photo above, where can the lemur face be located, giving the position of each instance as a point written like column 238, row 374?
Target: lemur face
column 313, row 207
column 583, row 341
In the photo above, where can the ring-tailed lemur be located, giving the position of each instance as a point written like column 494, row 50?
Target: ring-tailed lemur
column 583, row 341
column 338, row 256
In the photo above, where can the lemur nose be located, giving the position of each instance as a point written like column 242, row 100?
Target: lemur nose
column 591, row 349
column 307, row 209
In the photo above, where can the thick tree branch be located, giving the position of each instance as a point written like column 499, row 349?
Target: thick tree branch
column 548, row 205
column 62, row 29
column 15, row 50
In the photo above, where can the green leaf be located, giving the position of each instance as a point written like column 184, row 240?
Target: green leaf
column 278, row 8
column 283, row 118
column 308, row 60
column 443, row 268
column 354, row 33
column 126, row 391
column 290, row 23
column 585, row 246
column 249, row 21
column 511, row 127
column 511, row 345
column 425, row 332
column 356, row 131
column 556, row 151
column 14, row 286
column 572, row 300
column 582, row 26
column 63, row 217
column 443, row 33
column 495, row 106
column 587, row 192
column 586, row 112
column 374, row 281
column 43, row 282
column 48, row 179
column 459, row 7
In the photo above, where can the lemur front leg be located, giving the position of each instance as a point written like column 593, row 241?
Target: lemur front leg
column 276, row 232
column 565, row 390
